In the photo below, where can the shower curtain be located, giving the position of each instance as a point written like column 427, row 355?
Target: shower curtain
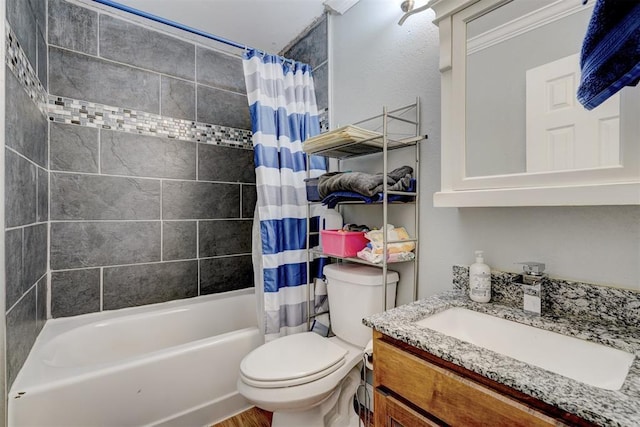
column 283, row 111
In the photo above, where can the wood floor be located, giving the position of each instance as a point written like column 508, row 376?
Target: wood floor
column 254, row 417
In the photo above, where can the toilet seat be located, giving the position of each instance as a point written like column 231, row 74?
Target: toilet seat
column 292, row 360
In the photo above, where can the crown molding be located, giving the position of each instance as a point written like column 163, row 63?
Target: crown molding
column 528, row 22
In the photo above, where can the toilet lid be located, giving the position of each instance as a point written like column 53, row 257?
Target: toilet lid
column 291, row 360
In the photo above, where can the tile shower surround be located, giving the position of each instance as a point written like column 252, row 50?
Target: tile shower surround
column 190, row 202
column 140, row 219
column 189, row 249
column 26, row 179
column 312, row 48
column 149, row 201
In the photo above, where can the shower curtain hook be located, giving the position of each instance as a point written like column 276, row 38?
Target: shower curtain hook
column 291, row 62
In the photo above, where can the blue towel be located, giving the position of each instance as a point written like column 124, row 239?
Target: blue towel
column 345, row 196
column 610, row 58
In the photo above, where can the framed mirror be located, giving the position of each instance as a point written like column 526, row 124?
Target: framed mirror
column 513, row 130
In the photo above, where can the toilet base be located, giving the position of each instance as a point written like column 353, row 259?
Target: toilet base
column 335, row 411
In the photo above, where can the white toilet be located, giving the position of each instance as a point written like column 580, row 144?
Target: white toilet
column 308, row 380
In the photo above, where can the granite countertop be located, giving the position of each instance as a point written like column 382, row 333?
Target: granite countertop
column 600, row 406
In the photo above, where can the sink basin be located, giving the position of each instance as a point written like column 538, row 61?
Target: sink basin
column 581, row 360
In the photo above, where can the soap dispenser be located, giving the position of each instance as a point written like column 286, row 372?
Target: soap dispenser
column 479, row 280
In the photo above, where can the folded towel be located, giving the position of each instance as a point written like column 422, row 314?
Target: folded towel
column 610, row 58
column 375, row 247
column 336, row 197
column 376, row 258
column 366, row 184
column 392, row 248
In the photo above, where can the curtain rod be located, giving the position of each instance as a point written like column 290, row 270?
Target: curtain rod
column 178, row 25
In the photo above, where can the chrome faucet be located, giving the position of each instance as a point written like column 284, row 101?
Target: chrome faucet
column 531, row 280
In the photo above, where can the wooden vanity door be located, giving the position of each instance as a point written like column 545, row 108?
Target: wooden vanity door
column 391, row 412
column 436, row 395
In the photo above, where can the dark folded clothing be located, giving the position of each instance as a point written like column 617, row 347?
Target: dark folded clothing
column 610, row 58
column 363, row 183
column 347, row 196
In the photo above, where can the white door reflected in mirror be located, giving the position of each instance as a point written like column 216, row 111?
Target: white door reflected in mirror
column 560, row 133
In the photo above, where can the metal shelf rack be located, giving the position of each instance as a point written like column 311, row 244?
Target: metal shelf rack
column 408, row 119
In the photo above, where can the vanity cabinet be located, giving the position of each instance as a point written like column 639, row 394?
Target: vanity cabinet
column 414, row 388
column 394, row 413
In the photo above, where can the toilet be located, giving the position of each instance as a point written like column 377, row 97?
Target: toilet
column 309, row 380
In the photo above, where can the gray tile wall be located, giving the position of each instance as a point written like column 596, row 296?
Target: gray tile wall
column 311, row 48
column 135, row 45
column 139, row 219
column 27, row 134
column 124, row 153
column 148, row 283
column 80, row 76
column 73, row 27
column 28, row 18
column 26, row 188
column 126, row 231
column 91, row 54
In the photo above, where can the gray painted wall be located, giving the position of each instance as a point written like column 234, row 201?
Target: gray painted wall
column 380, row 63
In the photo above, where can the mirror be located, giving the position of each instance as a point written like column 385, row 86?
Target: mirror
column 522, row 114
column 513, row 132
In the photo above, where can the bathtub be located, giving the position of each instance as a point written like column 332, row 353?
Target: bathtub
column 168, row 364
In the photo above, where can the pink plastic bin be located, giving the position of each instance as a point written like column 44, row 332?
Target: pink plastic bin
column 343, row 243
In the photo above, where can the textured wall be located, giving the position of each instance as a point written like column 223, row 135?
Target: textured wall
column 375, row 63
column 144, row 218
column 26, row 185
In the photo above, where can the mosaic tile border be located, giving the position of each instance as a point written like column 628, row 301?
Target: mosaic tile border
column 20, row 66
column 92, row 114
column 72, row 111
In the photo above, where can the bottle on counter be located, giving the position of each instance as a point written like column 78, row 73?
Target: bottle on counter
column 479, row 280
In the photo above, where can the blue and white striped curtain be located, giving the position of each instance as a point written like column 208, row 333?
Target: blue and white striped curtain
column 283, row 110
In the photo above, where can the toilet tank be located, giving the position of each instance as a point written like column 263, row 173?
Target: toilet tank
column 355, row 291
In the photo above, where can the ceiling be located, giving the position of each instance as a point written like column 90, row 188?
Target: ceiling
column 268, row 25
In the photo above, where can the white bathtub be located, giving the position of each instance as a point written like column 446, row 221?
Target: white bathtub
column 169, row 364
